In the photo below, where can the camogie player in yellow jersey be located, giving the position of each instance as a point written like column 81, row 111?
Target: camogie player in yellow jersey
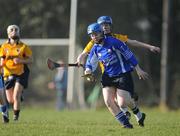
column 14, row 57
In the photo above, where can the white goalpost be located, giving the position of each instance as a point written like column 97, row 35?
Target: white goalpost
column 74, row 87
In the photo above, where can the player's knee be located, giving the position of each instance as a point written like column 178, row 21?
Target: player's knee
column 121, row 102
column 17, row 98
column 10, row 101
column 108, row 102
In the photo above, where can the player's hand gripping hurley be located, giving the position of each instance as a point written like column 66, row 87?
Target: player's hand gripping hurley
column 90, row 77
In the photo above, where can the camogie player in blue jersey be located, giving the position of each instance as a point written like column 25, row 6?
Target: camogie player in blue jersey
column 118, row 62
column 3, row 104
column 107, row 24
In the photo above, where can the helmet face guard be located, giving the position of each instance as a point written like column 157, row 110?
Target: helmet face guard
column 104, row 19
column 94, row 28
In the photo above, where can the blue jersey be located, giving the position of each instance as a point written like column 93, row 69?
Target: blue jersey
column 115, row 56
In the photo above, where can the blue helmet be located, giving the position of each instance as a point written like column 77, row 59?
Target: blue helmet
column 104, row 19
column 94, row 28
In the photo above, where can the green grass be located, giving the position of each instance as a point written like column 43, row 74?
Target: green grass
column 48, row 122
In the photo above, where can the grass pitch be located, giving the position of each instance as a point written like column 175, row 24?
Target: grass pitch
column 48, row 122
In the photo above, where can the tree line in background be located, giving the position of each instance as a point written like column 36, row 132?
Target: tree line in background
column 140, row 20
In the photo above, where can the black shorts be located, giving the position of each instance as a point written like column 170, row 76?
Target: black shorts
column 22, row 79
column 123, row 81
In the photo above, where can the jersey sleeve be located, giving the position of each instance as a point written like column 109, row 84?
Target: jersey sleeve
column 27, row 51
column 92, row 61
column 126, row 52
column 88, row 47
column 1, row 51
column 123, row 38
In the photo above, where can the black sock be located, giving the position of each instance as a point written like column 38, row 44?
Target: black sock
column 135, row 110
column 16, row 112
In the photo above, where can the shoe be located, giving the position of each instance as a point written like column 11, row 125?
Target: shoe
column 5, row 119
column 130, row 126
column 141, row 121
column 128, row 115
column 15, row 117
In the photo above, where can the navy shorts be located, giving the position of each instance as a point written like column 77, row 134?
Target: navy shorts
column 123, row 81
column 22, row 79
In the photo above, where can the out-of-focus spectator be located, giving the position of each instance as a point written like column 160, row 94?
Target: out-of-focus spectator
column 60, row 85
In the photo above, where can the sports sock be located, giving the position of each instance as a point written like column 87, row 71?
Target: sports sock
column 4, row 110
column 137, row 113
column 16, row 112
column 122, row 118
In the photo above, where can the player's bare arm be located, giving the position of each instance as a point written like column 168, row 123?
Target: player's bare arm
column 136, row 43
column 82, row 58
